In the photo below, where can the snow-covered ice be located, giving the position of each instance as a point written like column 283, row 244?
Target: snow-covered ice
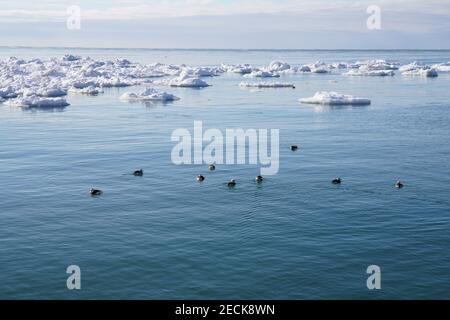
column 35, row 82
column 38, row 102
column 91, row 90
column 266, row 85
column 442, row 67
column 376, row 65
column 149, row 94
column 7, row 92
column 262, row 74
column 184, row 80
column 367, row 72
column 421, row 72
column 276, row 66
column 237, row 68
column 334, row 98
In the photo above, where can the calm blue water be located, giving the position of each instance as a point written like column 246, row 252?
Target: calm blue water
column 164, row 236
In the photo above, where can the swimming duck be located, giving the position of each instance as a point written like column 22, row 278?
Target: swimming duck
column 336, row 181
column 138, row 173
column 294, row 148
column 211, row 167
column 95, row 192
column 399, row 184
column 200, row 178
column 232, row 183
column 259, row 179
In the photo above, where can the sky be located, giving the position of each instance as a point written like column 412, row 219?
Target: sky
column 236, row 24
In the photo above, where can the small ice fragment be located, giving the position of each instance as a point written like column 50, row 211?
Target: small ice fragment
column 266, row 85
column 421, row 72
column 334, row 98
column 263, row 74
column 38, row 102
column 149, row 94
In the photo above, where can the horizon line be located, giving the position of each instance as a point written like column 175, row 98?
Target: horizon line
column 212, row 49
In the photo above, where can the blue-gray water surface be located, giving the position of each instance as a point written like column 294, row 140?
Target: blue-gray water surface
column 165, row 236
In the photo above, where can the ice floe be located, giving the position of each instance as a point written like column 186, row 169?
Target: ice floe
column 367, row 72
column 184, row 80
column 316, row 67
column 38, row 102
column 7, row 92
column 70, row 57
column 378, row 64
column 91, row 90
column 276, row 66
column 334, row 98
column 411, row 66
column 149, row 94
column 417, row 69
column 237, row 68
column 372, row 68
column 442, row 67
column 262, row 74
column 36, row 81
column 422, row 72
column 266, row 85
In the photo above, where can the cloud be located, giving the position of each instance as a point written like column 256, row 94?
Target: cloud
column 229, row 23
column 139, row 9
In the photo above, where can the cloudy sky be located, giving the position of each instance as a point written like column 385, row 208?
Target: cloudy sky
column 275, row 24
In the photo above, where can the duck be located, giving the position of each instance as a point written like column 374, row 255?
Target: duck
column 95, row 192
column 399, row 184
column 138, row 173
column 336, row 181
column 211, row 167
column 294, row 148
column 231, row 183
column 200, row 178
column 259, row 179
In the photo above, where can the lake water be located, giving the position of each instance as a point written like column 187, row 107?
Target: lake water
column 165, row 236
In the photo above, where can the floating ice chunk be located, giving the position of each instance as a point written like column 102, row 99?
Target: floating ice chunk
column 319, row 70
column 51, row 92
column 304, row 68
column 339, row 65
column 149, row 94
column 8, row 92
column 266, row 85
column 91, row 90
column 262, row 74
column 38, row 102
column 443, row 67
column 81, row 84
column 70, row 57
column 203, row 72
column 238, row 68
column 378, row 64
column 411, row 66
column 421, row 72
column 122, row 63
column 334, row 98
column 277, row 66
column 417, row 69
column 187, row 81
column 318, row 67
column 364, row 71
column 53, row 73
column 114, row 83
